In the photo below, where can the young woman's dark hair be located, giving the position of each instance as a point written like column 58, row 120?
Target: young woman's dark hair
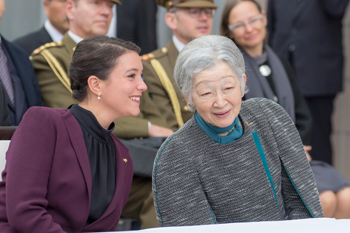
column 224, row 31
column 96, row 56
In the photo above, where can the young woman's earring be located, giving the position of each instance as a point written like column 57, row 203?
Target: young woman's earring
column 99, row 96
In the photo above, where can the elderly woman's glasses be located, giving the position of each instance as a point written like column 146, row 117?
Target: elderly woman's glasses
column 207, row 91
column 239, row 27
column 196, row 12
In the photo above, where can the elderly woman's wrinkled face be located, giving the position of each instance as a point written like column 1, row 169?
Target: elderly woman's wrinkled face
column 217, row 95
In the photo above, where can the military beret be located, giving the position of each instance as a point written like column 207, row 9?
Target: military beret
column 186, row 3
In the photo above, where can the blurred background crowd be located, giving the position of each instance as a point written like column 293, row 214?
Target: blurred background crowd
column 23, row 17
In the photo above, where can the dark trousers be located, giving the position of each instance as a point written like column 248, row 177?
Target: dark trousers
column 321, row 108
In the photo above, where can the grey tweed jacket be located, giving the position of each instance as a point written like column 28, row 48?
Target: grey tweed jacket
column 263, row 176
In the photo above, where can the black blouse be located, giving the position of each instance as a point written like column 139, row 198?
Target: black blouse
column 101, row 152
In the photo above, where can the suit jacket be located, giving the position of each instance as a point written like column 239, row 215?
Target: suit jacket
column 136, row 22
column 26, row 75
column 167, row 58
column 33, row 40
column 309, row 33
column 56, row 95
column 4, row 113
column 47, row 180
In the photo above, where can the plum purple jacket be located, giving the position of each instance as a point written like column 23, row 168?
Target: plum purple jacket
column 46, row 184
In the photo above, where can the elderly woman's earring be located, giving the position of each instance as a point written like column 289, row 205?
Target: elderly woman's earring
column 190, row 106
column 99, row 96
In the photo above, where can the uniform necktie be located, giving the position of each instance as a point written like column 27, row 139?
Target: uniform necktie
column 5, row 76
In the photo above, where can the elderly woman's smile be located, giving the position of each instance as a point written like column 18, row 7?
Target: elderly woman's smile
column 216, row 94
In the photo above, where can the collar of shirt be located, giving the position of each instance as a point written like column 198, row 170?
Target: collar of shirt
column 178, row 44
column 53, row 32
column 76, row 38
column 112, row 31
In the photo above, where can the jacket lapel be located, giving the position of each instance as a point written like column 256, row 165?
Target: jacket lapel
column 77, row 140
column 44, row 36
column 173, row 53
column 123, row 167
column 299, row 8
column 256, row 83
column 69, row 44
column 21, row 68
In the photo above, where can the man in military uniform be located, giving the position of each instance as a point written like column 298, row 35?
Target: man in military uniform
column 55, row 26
column 189, row 19
column 51, row 63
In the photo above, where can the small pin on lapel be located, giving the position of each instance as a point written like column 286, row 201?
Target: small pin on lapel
column 125, row 160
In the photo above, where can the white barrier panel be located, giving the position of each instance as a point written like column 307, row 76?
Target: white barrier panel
column 319, row 225
column 4, row 145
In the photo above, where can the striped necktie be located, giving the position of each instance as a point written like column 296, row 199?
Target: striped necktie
column 5, row 76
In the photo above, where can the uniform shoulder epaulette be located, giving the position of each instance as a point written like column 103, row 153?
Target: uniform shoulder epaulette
column 146, row 57
column 53, row 62
column 155, row 54
column 47, row 45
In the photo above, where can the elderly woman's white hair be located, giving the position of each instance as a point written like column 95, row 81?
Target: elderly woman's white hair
column 202, row 53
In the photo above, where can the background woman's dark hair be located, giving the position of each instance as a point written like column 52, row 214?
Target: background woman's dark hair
column 224, row 31
column 95, row 56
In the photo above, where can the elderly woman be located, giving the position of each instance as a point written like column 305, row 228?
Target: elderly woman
column 65, row 171
column 271, row 76
column 233, row 161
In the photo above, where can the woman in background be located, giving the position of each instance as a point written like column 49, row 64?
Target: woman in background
column 65, row 171
column 272, row 77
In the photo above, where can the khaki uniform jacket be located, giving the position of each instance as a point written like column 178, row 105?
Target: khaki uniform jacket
column 56, row 93
column 158, row 91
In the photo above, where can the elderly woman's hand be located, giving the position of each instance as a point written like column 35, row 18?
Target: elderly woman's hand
column 158, row 131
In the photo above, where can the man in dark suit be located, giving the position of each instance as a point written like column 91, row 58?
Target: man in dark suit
column 18, row 77
column 136, row 22
column 4, row 112
column 53, row 30
column 309, row 34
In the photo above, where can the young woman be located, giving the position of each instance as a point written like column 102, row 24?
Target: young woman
column 65, row 171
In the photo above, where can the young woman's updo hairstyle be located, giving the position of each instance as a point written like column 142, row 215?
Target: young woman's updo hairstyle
column 96, row 56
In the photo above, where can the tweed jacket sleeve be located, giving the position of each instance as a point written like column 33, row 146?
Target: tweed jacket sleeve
column 299, row 192
column 187, row 205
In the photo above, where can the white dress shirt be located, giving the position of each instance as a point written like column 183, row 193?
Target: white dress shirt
column 178, row 44
column 53, row 32
column 76, row 38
